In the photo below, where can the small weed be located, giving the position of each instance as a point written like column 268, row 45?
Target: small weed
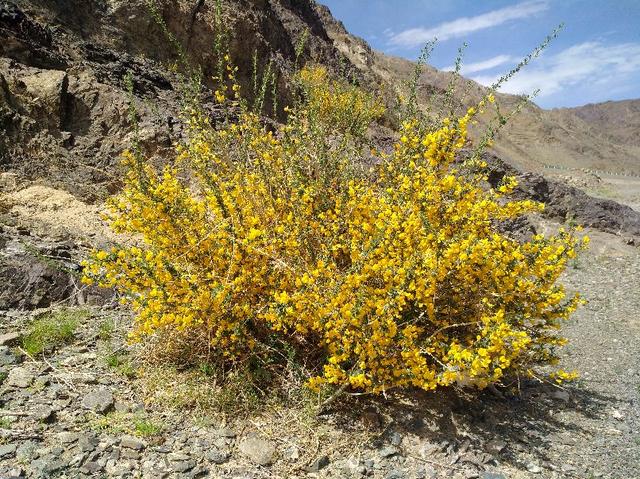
column 113, row 422
column 107, row 328
column 5, row 423
column 207, row 369
column 53, row 330
column 146, row 428
column 121, row 363
column 3, row 376
column 113, row 360
column 127, row 370
column 137, row 424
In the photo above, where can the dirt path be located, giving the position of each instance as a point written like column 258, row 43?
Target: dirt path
column 601, row 435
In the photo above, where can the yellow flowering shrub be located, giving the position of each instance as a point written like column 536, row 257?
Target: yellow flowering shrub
column 393, row 277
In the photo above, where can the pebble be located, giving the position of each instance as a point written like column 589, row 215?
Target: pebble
column 292, row 454
column 131, row 442
column 67, row 437
column 395, row 439
column 130, row 454
column 198, row 471
column 7, row 357
column 7, row 450
column 534, row 468
column 257, row 450
column 88, row 442
column 14, row 473
column 9, row 339
column 492, row 475
column 85, row 378
column 183, row 466
column 318, row 464
column 91, row 468
column 388, row 451
column 46, row 466
column 178, row 456
column 26, row 451
column 561, row 395
column 44, row 413
column 99, row 400
column 218, row 456
column 396, row 474
column 20, row 378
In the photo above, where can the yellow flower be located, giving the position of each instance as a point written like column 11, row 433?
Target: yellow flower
column 395, row 279
column 254, row 233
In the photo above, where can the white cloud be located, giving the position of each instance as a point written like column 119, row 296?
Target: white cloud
column 580, row 66
column 469, row 68
column 465, row 25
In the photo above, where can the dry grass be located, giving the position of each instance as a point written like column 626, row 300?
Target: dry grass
column 286, row 415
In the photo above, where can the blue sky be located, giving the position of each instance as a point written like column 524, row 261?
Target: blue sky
column 596, row 57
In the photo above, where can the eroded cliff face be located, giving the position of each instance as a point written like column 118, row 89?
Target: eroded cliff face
column 64, row 113
column 63, row 99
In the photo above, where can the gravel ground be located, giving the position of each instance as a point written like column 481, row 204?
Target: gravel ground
column 601, row 435
column 75, row 415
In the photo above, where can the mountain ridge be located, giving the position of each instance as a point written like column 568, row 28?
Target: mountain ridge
column 535, row 139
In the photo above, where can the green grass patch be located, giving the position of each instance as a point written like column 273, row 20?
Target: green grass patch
column 121, row 363
column 137, row 424
column 107, row 328
column 145, row 427
column 53, row 330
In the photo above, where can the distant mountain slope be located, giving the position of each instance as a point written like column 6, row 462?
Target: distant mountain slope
column 619, row 120
column 601, row 137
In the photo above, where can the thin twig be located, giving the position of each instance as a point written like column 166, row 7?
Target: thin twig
column 56, row 371
column 435, row 463
column 13, row 413
column 332, row 398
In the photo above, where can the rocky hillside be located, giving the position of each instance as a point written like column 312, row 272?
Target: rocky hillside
column 63, row 101
column 64, row 118
column 63, row 104
column 79, row 400
column 619, row 120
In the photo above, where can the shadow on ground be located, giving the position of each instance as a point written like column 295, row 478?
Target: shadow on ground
column 456, row 431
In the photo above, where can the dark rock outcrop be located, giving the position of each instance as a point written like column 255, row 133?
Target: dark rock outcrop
column 567, row 203
column 38, row 273
column 64, row 102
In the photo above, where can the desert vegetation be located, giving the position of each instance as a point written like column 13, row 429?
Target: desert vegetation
column 259, row 243
column 313, row 259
